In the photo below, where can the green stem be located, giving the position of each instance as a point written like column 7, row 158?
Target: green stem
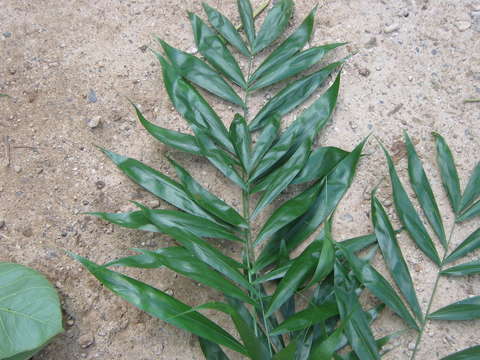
column 430, row 302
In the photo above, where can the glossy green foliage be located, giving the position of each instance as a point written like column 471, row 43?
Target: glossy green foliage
column 288, row 297
column 30, row 313
column 472, row 353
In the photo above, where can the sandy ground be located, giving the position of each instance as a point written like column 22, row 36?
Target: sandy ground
column 69, row 65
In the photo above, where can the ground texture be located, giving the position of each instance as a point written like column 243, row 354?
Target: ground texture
column 69, row 66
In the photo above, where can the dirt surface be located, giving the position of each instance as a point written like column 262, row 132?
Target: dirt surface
column 69, row 67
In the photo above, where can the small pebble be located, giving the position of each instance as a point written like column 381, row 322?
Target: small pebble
column 7, row 34
column 192, row 50
column 17, row 169
column 371, row 43
column 391, row 28
column 86, row 340
column 94, row 122
column 100, row 184
column 92, row 96
column 364, row 72
column 169, row 292
column 463, row 25
column 70, row 322
column 411, row 346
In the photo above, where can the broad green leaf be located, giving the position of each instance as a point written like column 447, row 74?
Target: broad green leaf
column 467, row 309
column 409, row 216
column 255, row 348
column 241, row 139
column 206, row 199
column 378, row 286
column 185, row 263
column 157, row 183
column 175, row 139
column 293, row 66
column 161, row 305
column 301, row 268
column 287, row 353
column 191, row 105
column 393, row 256
column 246, row 15
column 292, row 95
column 312, row 315
column 471, row 243
column 306, row 126
column 288, row 48
column 30, row 312
column 469, row 268
column 334, row 186
column 325, row 349
column 327, row 257
column 357, row 327
column 321, row 161
column 196, row 71
column 287, row 212
column 282, row 177
column 472, row 191
column 199, row 226
column 274, row 24
column 448, row 172
column 24, row 355
column 471, row 212
column 216, row 53
column 211, row 350
column 472, row 353
column 359, row 243
column 225, row 28
column 266, row 139
column 423, row 190
column 199, row 247
column 219, row 158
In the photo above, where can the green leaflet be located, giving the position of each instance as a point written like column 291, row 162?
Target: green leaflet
column 282, row 177
column 359, row 243
column 200, row 248
column 211, row 350
column 471, row 243
column 312, row 315
column 287, row 353
column 326, row 348
column 266, row 139
column 467, row 309
column 206, row 199
column 30, row 311
column 292, row 95
column 326, row 259
column 448, row 172
column 183, row 262
column 288, row 48
column 295, row 276
column 306, row 126
column 140, row 261
column 199, row 73
column 293, row 66
column 246, row 15
column 469, row 268
column 423, row 190
column 275, row 23
column 472, row 191
column 157, row 183
column 278, row 273
column 226, row 29
column 379, row 287
column 192, row 106
column 217, row 157
column 287, row 212
column 408, row 215
column 357, row 327
column 320, row 162
column 216, row 53
column 199, row 226
column 255, row 348
column 472, row 353
column 471, row 212
column 161, row 305
column 393, row 256
column 242, row 141
column 334, row 186
column 175, row 139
